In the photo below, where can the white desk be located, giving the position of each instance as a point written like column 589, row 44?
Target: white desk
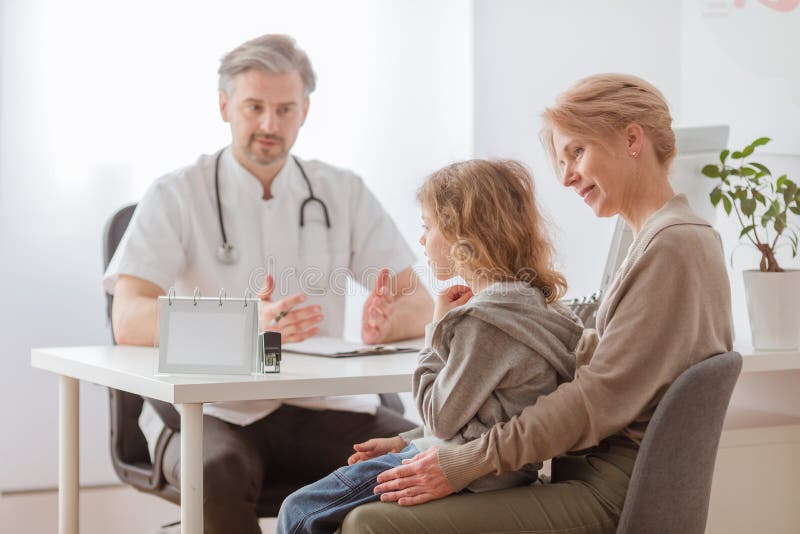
column 767, row 396
column 132, row 369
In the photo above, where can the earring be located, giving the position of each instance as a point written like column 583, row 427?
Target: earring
column 634, row 154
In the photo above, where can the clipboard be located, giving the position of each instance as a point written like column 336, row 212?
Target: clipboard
column 332, row 347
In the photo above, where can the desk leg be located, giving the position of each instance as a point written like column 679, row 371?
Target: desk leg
column 68, row 458
column 192, row 468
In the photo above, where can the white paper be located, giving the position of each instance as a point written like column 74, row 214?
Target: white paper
column 322, row 345
column 207, row 339
column 333, row 346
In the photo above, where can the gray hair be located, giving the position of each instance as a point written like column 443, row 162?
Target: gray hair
column 270, row 53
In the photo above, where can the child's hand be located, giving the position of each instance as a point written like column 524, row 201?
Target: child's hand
column 376, row 447
column 450, row 298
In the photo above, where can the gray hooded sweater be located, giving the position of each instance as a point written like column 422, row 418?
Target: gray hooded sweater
column 487, row 360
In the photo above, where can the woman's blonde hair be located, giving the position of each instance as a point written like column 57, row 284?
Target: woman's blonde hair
column 598, row 108
column 487, row 210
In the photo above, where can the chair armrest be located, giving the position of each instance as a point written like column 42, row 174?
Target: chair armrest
column 167, row 412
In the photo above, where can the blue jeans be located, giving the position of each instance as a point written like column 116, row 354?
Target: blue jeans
column 322, row 506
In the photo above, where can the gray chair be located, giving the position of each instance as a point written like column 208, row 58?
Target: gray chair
column 129, row 453
column 671, row 481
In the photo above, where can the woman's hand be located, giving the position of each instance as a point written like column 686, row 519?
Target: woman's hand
column 420, row 479
column 450, row 298
column 376, row 447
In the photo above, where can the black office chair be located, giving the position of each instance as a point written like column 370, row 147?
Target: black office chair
column 129, row 453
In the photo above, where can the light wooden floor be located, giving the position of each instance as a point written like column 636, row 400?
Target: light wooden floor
column 116, row 509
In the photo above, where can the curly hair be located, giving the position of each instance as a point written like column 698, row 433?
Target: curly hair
column 487, row 210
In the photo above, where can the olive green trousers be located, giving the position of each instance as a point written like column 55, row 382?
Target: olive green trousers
column 585, row 496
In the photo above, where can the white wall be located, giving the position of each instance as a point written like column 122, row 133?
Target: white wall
column 526, row 53
column 739, row 65
column 99, row 98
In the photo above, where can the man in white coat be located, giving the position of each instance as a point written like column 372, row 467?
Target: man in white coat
column 253, row 216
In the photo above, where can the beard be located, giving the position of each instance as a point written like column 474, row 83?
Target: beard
column 262, row 155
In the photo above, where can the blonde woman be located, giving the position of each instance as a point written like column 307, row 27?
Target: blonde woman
column 668, row 308
column 494, row 346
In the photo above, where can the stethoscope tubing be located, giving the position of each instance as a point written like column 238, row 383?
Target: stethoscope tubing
column 226, row 251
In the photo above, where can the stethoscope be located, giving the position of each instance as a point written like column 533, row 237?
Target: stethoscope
column 227, row 253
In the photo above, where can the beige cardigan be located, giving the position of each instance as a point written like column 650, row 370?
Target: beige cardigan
column 667, row 308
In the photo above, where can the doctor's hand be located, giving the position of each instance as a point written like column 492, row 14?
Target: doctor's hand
column 378, row 310
column 420, row 479
column 295, row 323
column 450, row 298
column 376, row 447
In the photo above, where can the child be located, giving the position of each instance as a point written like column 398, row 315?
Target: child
column 494, row 346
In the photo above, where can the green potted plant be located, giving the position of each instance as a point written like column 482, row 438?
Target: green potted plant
column 766, row 209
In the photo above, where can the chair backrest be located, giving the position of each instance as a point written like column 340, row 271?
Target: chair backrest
column 671, row 481
column 129, row 453
column 112, row 235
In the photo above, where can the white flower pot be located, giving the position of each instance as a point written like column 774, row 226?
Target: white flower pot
column 773, row 303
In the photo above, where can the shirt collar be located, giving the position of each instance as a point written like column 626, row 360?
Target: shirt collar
column 252, row 185
column 280, row 185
